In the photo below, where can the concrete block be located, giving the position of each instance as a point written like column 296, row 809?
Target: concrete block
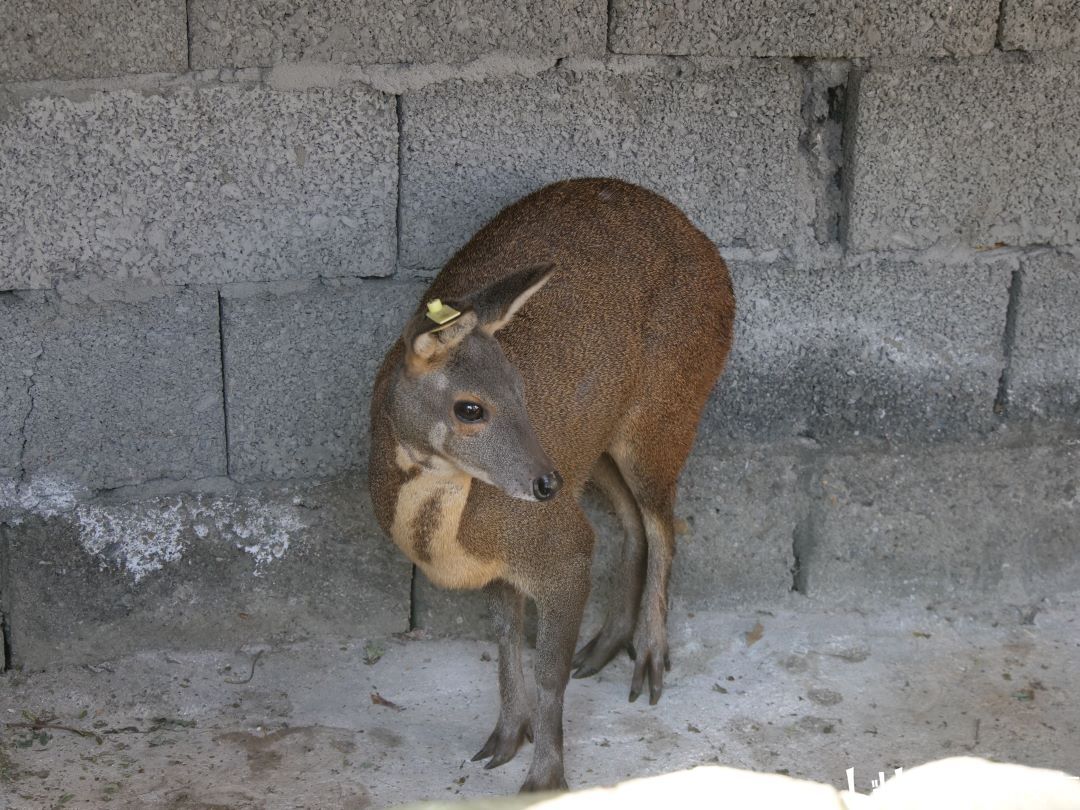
column 778, row 28
column 719, row 139
column 62, row 39
column 125, row 392
column 947, row 524
column 878, row 349
column 21, row 333
column 268, row 565
column 299, row 366
column 263, row 33
column 1039, row 25
column 742, row 510
column 197, row 185
column 1044, row 367
column 973, row 154
column 738, row 516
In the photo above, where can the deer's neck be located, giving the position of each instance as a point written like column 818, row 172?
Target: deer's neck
column 427, row 519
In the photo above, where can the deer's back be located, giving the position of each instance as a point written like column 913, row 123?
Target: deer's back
column 641, row 302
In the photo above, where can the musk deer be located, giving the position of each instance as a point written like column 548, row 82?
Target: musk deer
column 575, row 338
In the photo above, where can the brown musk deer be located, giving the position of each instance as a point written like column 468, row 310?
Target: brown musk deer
column 575, row 338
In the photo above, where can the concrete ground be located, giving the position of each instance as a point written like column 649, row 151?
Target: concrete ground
column 797, row 689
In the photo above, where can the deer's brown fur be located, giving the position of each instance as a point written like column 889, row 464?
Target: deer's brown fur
column 618, row 352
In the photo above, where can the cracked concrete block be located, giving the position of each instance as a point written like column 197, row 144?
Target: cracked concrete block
column 719, row 139
column 778, row 28
column 73, row 39
column 263, row 32
column 21, row 322
column 879, row 349
column 299, row 366
column 947, row 524
column 973, row 154
column 737, row 516
column 127, row 391
column 197, row 185
column 1039, row 25
column 1044, row 367
column 198, row 571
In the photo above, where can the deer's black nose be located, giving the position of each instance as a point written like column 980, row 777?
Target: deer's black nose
column 545, row 487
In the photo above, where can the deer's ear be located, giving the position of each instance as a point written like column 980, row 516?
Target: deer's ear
column 496, row 304
column 427, row 344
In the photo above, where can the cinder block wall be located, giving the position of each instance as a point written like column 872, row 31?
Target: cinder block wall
column 214, row 215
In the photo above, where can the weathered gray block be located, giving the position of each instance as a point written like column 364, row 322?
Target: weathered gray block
column 880, row 349
column 201, row 571
column 785, row 28
column 740, row 512
column 264, row 32
column 974, row 154
column 21, row 331
column 947, row 524
column 1038, row 25
column 125, row 392
column 299, row 366
column 741, row 509
column 197, row 185
column 71, row 39
column 719, row 139
column 1044, row 370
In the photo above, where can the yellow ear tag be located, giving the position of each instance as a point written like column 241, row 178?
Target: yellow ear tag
column 442, row 314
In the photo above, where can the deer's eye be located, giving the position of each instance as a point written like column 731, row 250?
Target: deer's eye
column 468, row 411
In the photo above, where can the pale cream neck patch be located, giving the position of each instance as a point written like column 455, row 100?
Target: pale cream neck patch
column 427, row 520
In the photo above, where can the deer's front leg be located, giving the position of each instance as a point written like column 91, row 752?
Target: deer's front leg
column 515, row 715
column 559, row 618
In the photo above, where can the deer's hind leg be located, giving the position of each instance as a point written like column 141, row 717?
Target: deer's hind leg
column 650, row 452
column 617, row 633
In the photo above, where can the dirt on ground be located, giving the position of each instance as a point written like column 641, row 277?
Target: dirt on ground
column 378, row 722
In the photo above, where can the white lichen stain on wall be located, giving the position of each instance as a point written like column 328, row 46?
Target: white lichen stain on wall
column 263, row 530
column 136, row 541
column 141, row 538
column 42, row 496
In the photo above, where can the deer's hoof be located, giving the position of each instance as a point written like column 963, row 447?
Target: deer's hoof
column 652, row 662
column 555, row 780
column 599, row 652
column 504, row 742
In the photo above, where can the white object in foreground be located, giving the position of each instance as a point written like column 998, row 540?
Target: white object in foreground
column 960, row 783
